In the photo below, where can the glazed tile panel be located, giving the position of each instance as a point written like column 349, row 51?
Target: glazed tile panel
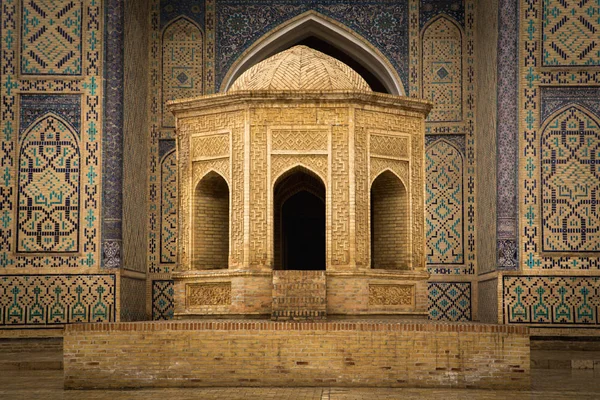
column 56, row 299
column 449, row 301
column 551, row 300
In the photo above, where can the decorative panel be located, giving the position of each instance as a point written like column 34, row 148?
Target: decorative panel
column 442, row 69
column 162, row 300
column 74, row 108
column 391, row 295
column 570, row 173
column 168, row 209
column 48, row 188
column 299, row 140
column 389, row 146
column 208, row 294
column 449, row 301
column 181, row 64
column 56, row 299
column 557, row 300
column 570, row 33
column 444, row 203
column 210, row 146
column 51, row 37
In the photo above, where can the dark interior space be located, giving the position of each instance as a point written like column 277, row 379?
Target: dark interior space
column 324, row 47
column 303, row 231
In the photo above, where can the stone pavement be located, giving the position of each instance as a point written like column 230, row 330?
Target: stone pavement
column 547, row 384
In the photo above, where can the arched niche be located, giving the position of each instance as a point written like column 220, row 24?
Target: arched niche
column 48, row 198
column 299, row 222
column 182, row 63
column 570, row 181
column 328, row 36
column 210, row 223
column 389, row 223
column 442, row 68
column 444, row 201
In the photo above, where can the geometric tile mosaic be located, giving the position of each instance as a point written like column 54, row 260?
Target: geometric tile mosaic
column 56, row 299
column 444, row 203
column 570, row 173
column 51, row 37
column 181, row 64
column 571, row 33
column 449, row 301
column 442, row 69
column 48, row 188
column 33, row 106
column 168, row 209
column 383, row 23
column 551, row 300
column 162, row 300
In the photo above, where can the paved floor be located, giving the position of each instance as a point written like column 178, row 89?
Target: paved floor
column 546, row 384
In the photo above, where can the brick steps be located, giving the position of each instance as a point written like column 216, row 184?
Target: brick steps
column 31, row 361
column 566, row 359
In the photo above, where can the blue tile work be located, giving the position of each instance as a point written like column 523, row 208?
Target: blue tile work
column 162, row 300
column 507, row 141
column 570, row 175
column 551, row 300
column 112, row 143
column 449, row 301
column 570, row 33
column 444, row 202
column 171, row 9
column 531, row 210
column 49, row 174
column 56, row 299
column 168, row 208
column 33, row 106
column 51, row 37
column 16, row 26
column 241, row 22
column 429, row 9
column 554, row 98
column 165, row 146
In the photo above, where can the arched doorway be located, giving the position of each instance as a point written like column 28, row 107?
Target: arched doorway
column 210, row 229
column 299, row 221
column 389, row 223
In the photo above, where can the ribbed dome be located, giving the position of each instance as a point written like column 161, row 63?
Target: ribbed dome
column 300, row 68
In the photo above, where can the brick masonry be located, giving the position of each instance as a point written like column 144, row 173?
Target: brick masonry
column 299, row 295
column 212, row 353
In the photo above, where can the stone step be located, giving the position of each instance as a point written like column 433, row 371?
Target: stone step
column 565, row 359
column 31, row 361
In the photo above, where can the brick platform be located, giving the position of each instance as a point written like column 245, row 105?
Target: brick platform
column 265, row 353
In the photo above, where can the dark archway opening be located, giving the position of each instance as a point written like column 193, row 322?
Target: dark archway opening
column 327, row 48
column 299, row 222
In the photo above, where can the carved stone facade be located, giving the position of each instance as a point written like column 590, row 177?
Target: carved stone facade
column 272, row 142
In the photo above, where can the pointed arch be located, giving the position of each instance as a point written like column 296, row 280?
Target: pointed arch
column 390, row 218
column 182, row 63
column 570, row 177
column 49, row 175
column 444, row 199
column 168, row 208
column 312, row 23
column 442, row 68
column 210, row 222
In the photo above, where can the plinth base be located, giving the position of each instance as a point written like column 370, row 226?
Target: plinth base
column 265, row 353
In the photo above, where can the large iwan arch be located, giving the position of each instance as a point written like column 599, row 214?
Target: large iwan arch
column 313, row 25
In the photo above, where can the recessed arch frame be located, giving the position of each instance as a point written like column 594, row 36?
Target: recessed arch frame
column 275, row 180
column 312, row 23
